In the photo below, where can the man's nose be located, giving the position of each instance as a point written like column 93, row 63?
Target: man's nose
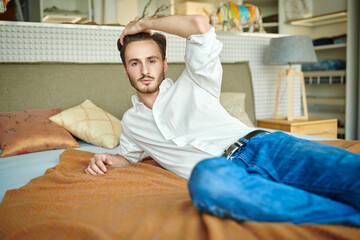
column 145, row 69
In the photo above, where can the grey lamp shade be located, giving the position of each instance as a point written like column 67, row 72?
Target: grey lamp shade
column 290, row 50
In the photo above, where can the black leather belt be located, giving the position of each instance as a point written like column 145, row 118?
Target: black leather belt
column 239, row 144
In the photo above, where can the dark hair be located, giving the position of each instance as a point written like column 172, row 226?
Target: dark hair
column 159, row 38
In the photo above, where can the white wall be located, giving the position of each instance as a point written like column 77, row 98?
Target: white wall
column 155, row 4
column 319, row 7
column 126, row 11
column 68, row 5
column 268, row 7
column 285, row 28
column 115, row 11
column 328, row 6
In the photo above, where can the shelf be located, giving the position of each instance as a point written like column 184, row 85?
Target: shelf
column 330, row 46
column 325, row 77
column 57, row 11
column 326, row 101
column 319, row 20
column 325, row 73
column 58, row 18
column 271, row 24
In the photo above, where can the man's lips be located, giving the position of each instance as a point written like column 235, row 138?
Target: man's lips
column 146, row 80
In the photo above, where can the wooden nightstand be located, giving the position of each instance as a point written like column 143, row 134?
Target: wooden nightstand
column 322, row 127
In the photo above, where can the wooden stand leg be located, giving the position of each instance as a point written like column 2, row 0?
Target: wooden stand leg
column 290, row 115
column 290, row 73
column 303, row 93
column 277, row 96
column 303, row 96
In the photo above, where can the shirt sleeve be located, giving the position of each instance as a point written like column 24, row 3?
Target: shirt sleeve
column 203, row 62
column 128, row 149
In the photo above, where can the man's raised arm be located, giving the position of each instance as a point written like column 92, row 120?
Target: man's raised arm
column 180, row 25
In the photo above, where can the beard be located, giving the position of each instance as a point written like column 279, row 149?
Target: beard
column 147, row 89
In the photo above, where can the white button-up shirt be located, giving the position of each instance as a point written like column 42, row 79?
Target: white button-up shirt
column 187, row 123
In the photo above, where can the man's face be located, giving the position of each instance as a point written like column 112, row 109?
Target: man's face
column 144, row 66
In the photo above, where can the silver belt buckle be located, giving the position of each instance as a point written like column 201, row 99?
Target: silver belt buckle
column 232, row 148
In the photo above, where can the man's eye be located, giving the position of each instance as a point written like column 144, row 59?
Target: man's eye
column 134, row 64
column 152, row 61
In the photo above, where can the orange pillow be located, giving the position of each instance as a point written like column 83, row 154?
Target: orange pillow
column 32, row 131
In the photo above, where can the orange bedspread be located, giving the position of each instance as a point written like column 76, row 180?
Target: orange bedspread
column 142, row 201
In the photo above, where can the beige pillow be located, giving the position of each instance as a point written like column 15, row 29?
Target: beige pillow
column 234, row 104
column 91, row 124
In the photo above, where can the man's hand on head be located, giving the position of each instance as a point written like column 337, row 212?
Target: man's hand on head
column 180, row 25
column 132, row 28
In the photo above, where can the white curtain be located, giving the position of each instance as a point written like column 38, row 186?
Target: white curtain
column 352, row 129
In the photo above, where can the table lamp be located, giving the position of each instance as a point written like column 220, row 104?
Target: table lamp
column 288, row 51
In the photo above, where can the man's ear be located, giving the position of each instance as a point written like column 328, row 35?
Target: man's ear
column 125, row 71
column 165, row 65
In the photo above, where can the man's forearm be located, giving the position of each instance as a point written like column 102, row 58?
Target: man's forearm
column 180, row 25
column 120, row 161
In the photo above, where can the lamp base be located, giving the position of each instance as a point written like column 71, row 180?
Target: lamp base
column 290, row 73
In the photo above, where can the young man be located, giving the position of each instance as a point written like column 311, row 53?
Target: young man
column 259, row 176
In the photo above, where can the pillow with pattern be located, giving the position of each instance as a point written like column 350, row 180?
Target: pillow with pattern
column 91, row 124
column 32, row 131
column 234, row 104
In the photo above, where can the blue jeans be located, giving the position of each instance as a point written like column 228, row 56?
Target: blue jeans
column 279, row 178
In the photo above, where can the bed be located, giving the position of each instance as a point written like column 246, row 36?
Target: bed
column 46, row 195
